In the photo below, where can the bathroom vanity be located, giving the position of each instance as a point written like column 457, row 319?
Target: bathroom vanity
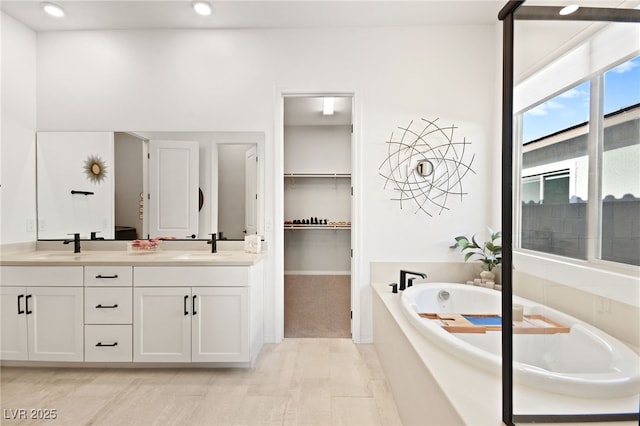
column 112, row 306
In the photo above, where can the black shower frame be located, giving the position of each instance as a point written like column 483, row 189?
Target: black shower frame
column 514, row 10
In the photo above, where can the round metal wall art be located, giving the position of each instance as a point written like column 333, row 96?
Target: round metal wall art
column 95, row 168
column 426, row 165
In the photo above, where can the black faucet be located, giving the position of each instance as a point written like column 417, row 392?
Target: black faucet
column 75, row 241
column 403, row 278
column 95, row 237
column 212, row 241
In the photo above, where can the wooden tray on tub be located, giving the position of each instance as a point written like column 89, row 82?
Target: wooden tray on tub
column 481, row 323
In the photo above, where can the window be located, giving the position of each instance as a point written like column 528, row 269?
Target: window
column 567, row 165
column 620, row 218
column 547, row 188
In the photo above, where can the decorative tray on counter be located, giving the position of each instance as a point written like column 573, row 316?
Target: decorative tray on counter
column 143, row 246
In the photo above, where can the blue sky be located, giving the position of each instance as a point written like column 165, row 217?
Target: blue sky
column 622, row 88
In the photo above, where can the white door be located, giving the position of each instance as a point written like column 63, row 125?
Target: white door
column 220, row 324
column 14, row 323
column 55, row 323
column 162, row 324
column 173, row 188
column 75, row 176
column 251, row 191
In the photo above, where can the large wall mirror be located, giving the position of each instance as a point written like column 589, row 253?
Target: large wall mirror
column 146, row 184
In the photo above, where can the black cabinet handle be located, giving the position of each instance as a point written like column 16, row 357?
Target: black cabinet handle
column 73, row 191
column 185, row 305
column 106, row 344
column 26, row 304
column 193, row 305
column 107, row 306
column 20, row 311
column 106, row 276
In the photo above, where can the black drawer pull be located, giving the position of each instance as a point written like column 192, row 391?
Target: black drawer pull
column 107, row 307
column 106, row 276
column 185, row 305
column 106, row 344
column 26, row 304
column 193, row 306
column 20, row 311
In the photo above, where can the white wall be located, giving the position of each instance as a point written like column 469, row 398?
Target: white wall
column 231, row 190
column 128, row 181
column 230, row 80
column 17, row 147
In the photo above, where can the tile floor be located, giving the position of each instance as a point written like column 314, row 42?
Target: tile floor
column 297, row 382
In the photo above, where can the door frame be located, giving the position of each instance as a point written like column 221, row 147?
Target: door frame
column 356, row 209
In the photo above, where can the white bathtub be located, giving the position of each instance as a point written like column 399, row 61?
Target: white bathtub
column 584, row 362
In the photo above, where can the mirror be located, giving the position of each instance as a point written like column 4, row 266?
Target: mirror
column 102, row 182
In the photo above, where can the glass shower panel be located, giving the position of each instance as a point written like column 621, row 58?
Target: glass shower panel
column 577, row 178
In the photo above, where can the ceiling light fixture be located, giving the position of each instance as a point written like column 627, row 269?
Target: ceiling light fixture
column 202, row 7
column 327, row 106
column 52, row 9
column 568, row 10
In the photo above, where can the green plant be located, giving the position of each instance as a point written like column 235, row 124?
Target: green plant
column 489, row 253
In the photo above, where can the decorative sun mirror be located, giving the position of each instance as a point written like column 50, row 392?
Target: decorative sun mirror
column 95, row 169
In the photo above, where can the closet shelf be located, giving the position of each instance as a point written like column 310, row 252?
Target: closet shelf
column 322, row 227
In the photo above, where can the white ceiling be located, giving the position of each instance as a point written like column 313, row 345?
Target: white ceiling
column 148, row 14
column 307, row 111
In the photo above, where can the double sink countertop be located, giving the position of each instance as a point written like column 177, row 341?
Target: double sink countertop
column 181, row 255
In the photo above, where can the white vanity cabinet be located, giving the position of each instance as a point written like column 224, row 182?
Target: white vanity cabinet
column 108, row 313
column 197, row 314
column 145, row 309
column 42, row 313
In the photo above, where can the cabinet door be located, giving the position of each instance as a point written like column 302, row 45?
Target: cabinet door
column 14, row 323
column 162, row 324
column 220, row 324
column 55, row 323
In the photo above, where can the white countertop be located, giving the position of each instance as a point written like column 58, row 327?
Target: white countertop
column 124, row 258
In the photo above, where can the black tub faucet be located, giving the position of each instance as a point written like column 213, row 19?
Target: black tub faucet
column 212, row 241
column 75, row 241
column 403, row 278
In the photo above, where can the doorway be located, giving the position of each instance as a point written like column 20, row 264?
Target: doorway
column 317, row 151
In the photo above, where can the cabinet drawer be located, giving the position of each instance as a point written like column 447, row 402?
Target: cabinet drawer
column 108, row 343
column 193, row 276
column 44, row 276
column 105, row 305
column 108, row 276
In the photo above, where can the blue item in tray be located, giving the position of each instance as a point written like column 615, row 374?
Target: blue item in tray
column 484, row 320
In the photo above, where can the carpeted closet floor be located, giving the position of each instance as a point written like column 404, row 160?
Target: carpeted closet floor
column 317, row 306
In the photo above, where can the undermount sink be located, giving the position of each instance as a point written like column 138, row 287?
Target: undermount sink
column 61, row 256
column 200, row 256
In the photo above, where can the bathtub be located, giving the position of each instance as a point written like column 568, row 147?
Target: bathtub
column 584, row 362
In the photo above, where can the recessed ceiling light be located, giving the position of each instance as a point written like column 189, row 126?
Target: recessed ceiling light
column 202, row 7
column 568, row 10
column 52, row 9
